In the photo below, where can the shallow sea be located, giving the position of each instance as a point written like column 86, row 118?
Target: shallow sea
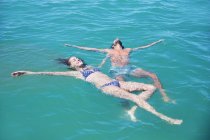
column 33, row 34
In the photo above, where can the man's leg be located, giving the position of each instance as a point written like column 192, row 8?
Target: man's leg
column 142, row 73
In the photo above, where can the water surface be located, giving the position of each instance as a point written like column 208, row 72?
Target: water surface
column 33, row 34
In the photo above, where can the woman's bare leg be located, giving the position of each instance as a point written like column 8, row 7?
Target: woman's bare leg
column 120, row 93
column 148, row 107
column 147, row 89
column 143, row 73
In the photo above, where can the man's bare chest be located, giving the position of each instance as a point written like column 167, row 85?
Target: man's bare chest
column 119, row 54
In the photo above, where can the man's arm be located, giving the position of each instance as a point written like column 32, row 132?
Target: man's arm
column 149, row 45
column 87, row 49
column 68, row 73
column 103, row 61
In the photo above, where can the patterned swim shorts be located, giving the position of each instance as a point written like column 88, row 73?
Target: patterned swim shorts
column 121, row 71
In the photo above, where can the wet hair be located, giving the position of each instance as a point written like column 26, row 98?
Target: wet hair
column 66, row 62
column 117, row 42
column 63, row 61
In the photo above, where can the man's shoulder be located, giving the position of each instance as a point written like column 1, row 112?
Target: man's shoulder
column 127, row 49
column 108, row 50
column 111, row 51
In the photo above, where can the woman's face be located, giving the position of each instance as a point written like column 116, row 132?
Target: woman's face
column 75, row 62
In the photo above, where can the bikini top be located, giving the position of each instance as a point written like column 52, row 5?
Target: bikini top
column 87, row 72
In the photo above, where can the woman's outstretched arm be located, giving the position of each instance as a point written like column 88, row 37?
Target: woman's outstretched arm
column 68, row 73
column 146, row 46
column 87, row 49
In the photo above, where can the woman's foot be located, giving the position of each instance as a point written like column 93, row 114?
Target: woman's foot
column 131, row 113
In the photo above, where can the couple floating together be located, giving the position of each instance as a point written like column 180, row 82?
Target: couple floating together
column 115, row 86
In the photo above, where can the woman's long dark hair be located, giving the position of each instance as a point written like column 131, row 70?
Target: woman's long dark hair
column 63, row 61
column 66, row 62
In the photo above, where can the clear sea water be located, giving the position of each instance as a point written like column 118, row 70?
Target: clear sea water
column 33, row 34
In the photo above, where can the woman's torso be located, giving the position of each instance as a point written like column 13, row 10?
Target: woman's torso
column 96, row 77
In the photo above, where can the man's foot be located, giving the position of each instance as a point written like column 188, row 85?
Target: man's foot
column 166, row 98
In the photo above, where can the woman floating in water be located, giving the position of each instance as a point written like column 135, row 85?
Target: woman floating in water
column 120, row 89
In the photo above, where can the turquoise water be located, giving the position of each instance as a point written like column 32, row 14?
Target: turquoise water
column 32, row 34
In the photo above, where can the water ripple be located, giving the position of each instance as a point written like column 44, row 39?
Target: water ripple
column 32, row 34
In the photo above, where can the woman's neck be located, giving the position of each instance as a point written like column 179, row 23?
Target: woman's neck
column 81, row 68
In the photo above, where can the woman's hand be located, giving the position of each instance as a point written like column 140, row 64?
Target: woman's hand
column 18, row 73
